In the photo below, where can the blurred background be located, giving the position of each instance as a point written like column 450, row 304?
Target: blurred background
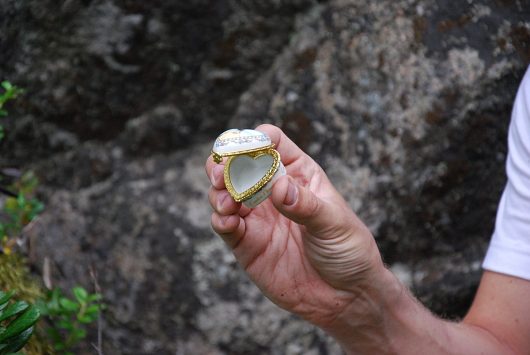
column 405, row 104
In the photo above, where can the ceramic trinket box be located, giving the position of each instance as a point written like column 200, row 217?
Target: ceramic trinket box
column 252, row 167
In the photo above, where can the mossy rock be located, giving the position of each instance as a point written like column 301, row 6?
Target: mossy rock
column 15, row 275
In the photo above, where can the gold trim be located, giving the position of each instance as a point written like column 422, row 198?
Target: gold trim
column 218, row 157
column 245, row 195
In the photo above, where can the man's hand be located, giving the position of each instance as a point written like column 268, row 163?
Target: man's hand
column 309, row 253
column 304, row 247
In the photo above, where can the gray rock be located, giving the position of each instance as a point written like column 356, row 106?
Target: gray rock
column 404, row 103
column 163, row 129
column 406, row 107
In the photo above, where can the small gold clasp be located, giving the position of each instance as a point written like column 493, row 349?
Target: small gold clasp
column 217, row 158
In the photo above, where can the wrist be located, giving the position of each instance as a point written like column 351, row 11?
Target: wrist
column 368, row 324
column 384, row 318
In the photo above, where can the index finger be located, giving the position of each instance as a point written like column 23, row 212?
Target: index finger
column 215, row 173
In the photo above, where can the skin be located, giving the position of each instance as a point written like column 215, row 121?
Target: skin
column 310, row 254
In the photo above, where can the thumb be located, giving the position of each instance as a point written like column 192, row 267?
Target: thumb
column 302, row 206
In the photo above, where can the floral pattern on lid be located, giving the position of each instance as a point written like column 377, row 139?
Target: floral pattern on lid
column 235, row 141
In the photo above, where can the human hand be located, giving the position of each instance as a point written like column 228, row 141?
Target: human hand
column 304, row 247
column 309, row 253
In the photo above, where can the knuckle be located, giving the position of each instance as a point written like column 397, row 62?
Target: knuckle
column 212, row 197
column 222, row 202
column 271, row 130
column 268, row 126
column 208, row 167
column 314, row 206
column 213, row 221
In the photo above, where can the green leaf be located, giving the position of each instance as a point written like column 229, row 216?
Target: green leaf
column 42, row 306
column 36, row 208
column 23, row 322
column 21, row 200
column 79, row 333
column 55, row 335
column 68, row 304
column 85, row 319
column 59, row 346
column 94, row 297
column 13, row 309
column 11, row 205
column 65, row 324
column 7, row 85
column 18, row 342
column 53, row 305
column 92, row 309
column 5, row 297
column 81, row 294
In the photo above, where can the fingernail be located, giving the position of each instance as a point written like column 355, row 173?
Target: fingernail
column 292, row 194
column 217, row 173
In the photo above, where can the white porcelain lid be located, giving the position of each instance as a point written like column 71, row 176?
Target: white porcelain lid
column 235, row 141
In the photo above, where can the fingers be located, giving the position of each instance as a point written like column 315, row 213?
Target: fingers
column 230, row 228
column 288, row 150
column 222, row 202
column 227, row 219
column 300, row 204
column 215, row 173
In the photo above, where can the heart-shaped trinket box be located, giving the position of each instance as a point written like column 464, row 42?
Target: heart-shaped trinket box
column 252, row 167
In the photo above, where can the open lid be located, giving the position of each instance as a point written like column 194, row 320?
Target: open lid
column 235, row 141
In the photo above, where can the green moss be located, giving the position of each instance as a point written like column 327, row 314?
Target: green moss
column 14, row 275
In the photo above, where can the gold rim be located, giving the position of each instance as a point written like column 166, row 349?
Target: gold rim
column 245, row 195
column 218, row 157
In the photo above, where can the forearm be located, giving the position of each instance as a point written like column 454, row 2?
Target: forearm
column 386, row 319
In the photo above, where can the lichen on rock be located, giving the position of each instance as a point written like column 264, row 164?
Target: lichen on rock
column 404, row 103
column 15, row 275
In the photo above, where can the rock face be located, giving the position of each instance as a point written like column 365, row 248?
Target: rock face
column 404, row 103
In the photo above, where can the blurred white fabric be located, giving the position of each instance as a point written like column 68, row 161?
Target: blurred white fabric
column 509, row 250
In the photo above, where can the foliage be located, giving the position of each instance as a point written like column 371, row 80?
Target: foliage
column 20, row 210
column 15, row 275
column 17, row 319
column 69, row 316
column 10, row 92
